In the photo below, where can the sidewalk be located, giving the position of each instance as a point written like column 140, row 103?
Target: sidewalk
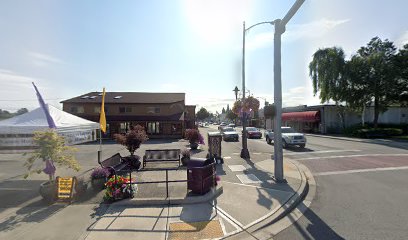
column 246, row 202
column 249, row 196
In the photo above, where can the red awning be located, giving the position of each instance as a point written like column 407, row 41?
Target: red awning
column 308, row 116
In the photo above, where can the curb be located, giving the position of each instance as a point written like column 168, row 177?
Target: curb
column 142, row 202
column 274, row 216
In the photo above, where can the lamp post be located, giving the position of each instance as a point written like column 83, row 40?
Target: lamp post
column 236, row 90
column 244, row 151
column 280, row 26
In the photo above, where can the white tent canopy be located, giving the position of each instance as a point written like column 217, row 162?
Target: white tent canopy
column 73, row 128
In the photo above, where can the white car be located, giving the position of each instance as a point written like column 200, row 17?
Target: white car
column 289, row 137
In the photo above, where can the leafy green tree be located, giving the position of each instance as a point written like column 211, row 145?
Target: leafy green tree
column 51, row 151
column 380, row 79
column 223, row 111
column 202, row 114
column 269, row 111
column 326, row 71
column 21, row 111
column 231, row 115
column 401, row 65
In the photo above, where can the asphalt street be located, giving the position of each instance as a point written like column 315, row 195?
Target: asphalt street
column 362, row 188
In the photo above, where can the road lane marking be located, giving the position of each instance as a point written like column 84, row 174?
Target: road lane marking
column 327, row 151
column 227, row 157
column 360, row 171
column 359, row 155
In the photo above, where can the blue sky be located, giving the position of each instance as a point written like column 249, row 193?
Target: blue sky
column 73, row 47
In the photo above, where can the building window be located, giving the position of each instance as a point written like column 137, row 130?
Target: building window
column 153, row 110
column 77, row 109
column 153, row 128
column 97, row 109
column 125, row 109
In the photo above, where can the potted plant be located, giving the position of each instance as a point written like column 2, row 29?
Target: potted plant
column 80, row 186
column 194, row 137
column 132, row 141
column 118, row 188
column 52, row 151
column 185, row 156
column 98, row 177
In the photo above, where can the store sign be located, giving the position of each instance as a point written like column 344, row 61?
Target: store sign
column 65, row 187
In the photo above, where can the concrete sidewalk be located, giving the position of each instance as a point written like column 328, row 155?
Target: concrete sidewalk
column 247, row 203
column 249, row 197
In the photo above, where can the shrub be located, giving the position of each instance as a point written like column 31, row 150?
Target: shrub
column 132, row 139
column 194, row 136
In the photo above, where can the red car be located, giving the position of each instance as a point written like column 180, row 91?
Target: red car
column 253, row 132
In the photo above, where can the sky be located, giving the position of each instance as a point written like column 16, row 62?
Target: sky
column 72, row 47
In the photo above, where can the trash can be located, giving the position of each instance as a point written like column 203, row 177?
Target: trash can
column 200, row 175
column 214, row 146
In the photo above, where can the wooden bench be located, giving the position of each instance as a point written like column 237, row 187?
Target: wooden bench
column 115, row 163
column 161, row 155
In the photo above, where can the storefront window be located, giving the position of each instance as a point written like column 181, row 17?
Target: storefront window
column 153, row 128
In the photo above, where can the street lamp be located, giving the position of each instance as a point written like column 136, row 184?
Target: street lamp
column 280, row 26
column 244, row 151
column 236, row 90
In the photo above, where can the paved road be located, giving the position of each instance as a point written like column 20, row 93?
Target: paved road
column 362, row 188
column 361, row 193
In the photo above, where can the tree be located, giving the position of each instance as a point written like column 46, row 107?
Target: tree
column 51, row 151
column 202, row 114
column 251, row 104
column 369, row 76
column 228, row 109
column 5, row 114
column 269, row 111
column 231, row 116
column 326, row 71
column 223, row 111
column 380, row 79
column 401, row 65
column 21, row 111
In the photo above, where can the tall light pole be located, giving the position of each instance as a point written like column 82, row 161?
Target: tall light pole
column 279, row 30
column 280, row 26
column 244, row 151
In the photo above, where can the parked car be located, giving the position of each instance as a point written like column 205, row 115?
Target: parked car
column 253, row 132
column 223, row 124
column 289, row 137
column 228, row 134
column 231, row 125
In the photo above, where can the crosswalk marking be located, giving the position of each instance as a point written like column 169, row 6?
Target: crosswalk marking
column 360, row 171
column 317, row 152
column 350, row 156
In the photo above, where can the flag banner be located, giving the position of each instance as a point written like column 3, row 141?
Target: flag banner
column 51, row 123
column 102, row 118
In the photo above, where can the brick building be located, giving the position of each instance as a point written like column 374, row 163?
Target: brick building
column 164, row 115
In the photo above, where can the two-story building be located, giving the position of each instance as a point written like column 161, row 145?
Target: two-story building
column 164, row 115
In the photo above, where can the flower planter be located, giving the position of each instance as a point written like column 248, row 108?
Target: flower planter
column 98, row 183
column 48, row 191
column 194, row 146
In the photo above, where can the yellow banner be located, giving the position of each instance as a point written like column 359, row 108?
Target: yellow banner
column 102, row 118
